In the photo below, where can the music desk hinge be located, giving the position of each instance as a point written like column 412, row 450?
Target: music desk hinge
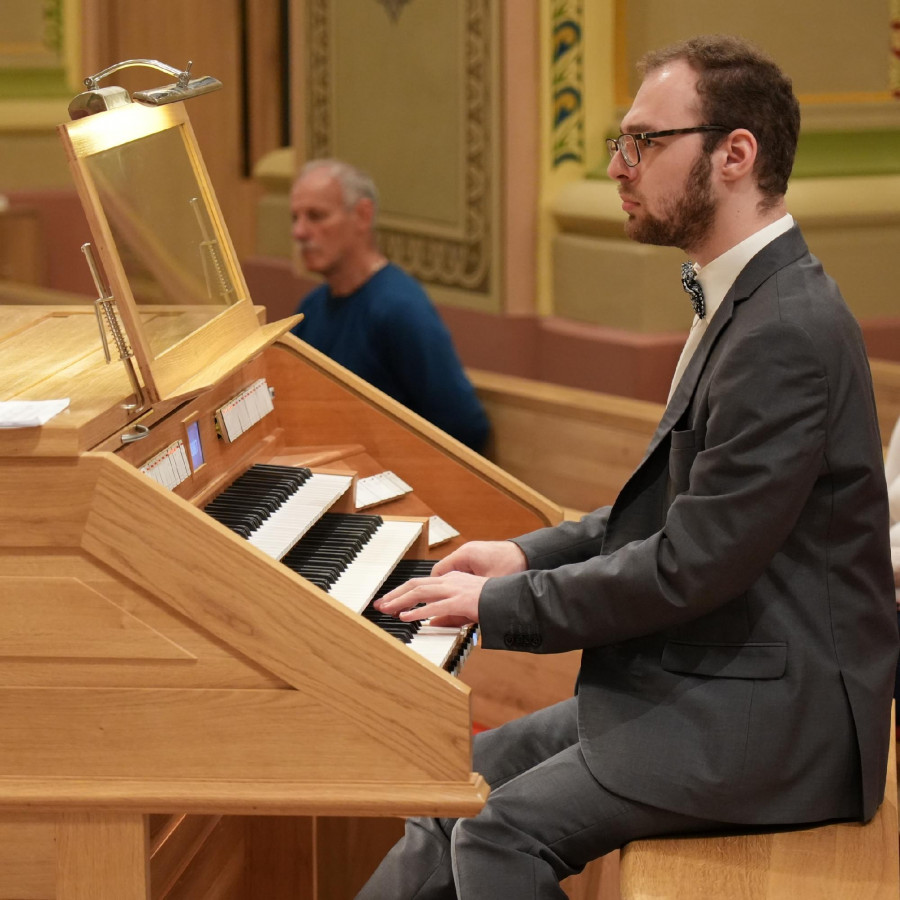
column 108, row 320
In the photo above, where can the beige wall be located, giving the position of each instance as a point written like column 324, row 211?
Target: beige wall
column 390, row 94
column 39, row 72
column 842, row 72
column 480, row 120
column 31, row 155
column 830, row 47
column 234, row 125
column 414, row 99
column 590, row 308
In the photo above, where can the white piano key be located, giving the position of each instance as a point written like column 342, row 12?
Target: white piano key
column 362, row 578
column 298, row 513
column 435, row 644
column 438, row 645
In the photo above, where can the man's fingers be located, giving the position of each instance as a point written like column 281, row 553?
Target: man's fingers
column 409, row 594
column 426, row 612
column 455, row 562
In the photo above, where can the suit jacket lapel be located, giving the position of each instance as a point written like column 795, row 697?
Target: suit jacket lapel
column 784, row 250
column 636, row 494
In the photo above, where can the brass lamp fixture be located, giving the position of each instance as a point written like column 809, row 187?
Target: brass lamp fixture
column 96, row 99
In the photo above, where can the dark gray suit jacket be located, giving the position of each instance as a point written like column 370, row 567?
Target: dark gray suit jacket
column 736, row 604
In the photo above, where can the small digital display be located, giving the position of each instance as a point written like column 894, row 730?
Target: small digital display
column 196, row 447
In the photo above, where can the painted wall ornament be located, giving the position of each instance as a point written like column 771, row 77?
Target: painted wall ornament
column 567, row 82
column 394, row 7
column 463, row 261
column 895, row 48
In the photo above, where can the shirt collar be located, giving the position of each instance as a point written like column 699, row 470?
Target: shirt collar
column 718, row 276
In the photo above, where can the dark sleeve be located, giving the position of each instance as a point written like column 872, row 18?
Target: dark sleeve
column 763, row 450
column 425, row 363
column 565, row 543
column 303, row 307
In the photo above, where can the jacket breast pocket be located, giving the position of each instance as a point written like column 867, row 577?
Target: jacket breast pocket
column 682, row 451
column 756, row 660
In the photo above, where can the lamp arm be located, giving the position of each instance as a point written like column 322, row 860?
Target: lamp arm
column 92, row 81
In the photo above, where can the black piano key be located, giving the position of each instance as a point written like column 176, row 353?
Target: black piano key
column 254, row 495
column 403, row 571
column 329, row 545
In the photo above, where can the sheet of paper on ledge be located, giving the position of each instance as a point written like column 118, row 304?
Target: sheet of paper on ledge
column 29, row 413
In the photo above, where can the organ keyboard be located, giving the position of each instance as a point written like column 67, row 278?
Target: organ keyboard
column 354, row 558
column 153, row 659
column 273, row 686
column 273, row 506
column 441, row 646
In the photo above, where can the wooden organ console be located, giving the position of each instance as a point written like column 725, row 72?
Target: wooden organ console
column 187, row 711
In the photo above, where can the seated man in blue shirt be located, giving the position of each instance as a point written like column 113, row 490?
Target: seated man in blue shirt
column 369, row 315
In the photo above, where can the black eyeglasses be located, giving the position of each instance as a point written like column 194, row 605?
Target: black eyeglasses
column 628, row 146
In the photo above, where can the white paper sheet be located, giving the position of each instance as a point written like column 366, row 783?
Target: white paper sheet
column 29, row 413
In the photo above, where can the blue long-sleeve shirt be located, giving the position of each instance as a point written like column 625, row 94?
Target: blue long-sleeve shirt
column 389, row 333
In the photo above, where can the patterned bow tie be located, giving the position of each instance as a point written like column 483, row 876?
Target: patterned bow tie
column 693, row 287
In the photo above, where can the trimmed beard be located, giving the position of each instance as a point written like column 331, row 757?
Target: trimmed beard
column 688, row 220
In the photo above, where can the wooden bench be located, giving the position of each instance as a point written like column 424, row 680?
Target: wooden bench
column 846, row 861
column 576, row 447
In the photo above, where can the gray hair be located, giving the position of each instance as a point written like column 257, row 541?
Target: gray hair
column 355, row 184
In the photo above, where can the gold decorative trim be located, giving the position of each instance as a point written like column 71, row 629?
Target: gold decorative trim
column 895, row 49
column 464, row 262
column 318, row 115
column 567, row 81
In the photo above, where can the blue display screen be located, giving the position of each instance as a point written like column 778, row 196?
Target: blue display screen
column 193, row 432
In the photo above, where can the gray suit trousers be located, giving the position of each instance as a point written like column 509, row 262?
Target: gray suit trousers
column 546, row 818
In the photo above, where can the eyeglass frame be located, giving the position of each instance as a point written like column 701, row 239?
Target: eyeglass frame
column 613, row 145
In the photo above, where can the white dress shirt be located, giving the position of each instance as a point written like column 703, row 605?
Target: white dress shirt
column 716, row 279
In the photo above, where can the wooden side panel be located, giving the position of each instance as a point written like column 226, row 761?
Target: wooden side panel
column 102, row 855
column 27, row 856
column 320, row 404
column 349, row 851
column 50, row 498
column 281, row 861
column 173, row 734
column 218, row 870
column 63, row 618
column 291, row 629
column 115, row 634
